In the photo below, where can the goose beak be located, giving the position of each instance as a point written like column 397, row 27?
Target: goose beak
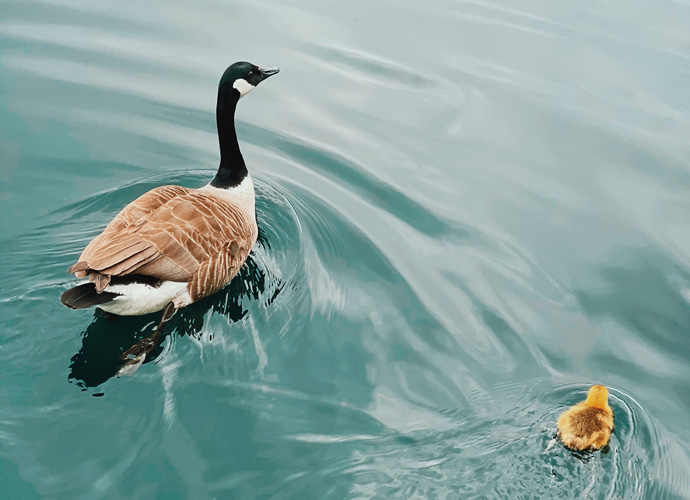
column 266, row 72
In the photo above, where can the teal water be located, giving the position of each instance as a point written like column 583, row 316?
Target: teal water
column 470, row 211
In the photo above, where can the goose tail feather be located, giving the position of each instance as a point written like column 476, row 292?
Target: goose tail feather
column 85, row 295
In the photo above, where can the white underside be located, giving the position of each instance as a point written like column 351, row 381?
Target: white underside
column 136, row 298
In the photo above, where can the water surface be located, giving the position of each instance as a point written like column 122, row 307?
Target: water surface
column 470, row 211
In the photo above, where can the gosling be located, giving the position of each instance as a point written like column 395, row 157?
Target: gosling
column 587, row 425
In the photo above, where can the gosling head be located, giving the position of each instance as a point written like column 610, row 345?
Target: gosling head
column 243, row 77
column 598, row 397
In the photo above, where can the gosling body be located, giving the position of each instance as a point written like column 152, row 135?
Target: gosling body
column 588, row 424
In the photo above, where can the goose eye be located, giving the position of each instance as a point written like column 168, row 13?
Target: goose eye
column 251, row 73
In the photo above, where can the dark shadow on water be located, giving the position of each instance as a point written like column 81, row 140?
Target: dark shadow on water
column 586, row 455
column 108, row 336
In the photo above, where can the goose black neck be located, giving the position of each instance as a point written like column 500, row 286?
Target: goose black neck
column 232, row 169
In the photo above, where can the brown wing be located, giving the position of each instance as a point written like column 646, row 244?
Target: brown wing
column 130, row 215
column 214, row 273
column 147, row 203
column 176, row 234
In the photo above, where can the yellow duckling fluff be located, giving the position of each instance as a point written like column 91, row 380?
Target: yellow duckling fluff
column 587, row 425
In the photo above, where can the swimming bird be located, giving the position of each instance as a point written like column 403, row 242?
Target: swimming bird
column 174, row 245
column 588, row 424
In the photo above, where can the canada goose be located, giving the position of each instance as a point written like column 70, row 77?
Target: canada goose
column 174, row 245
column 587, row 425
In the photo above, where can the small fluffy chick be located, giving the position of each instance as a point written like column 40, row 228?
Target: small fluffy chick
column 587, row 425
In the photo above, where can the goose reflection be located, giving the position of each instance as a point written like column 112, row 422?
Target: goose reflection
column 109, row 337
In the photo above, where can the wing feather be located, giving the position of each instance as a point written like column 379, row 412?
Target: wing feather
column 173, row 233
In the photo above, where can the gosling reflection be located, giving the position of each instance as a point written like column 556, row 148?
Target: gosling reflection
column 119, row 345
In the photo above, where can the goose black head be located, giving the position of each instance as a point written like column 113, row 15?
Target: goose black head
column 241, row 78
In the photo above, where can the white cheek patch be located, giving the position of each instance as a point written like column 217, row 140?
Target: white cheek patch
column 243, row 86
